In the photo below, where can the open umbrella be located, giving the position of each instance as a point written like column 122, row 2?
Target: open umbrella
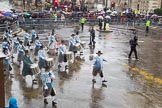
column 27, row 14
column 154, row 15
column 109, row 10
column 108, row 17
column 7, row 14
column 2, row 12
column 100, row 17
column 124, row 12
column 115, row 12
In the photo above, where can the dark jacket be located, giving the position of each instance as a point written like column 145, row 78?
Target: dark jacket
column 92, row 33
column 26, row 66
column 133, row 42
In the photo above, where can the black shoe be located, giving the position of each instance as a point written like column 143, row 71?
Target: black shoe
column 66, row 67
column 137, row 59
column 104, row 81
column 59, row 66
column 45, row 101
column 53, row 103
column 94, row 81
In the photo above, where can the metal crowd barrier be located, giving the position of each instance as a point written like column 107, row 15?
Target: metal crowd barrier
column 4, row 27
column 71, row 20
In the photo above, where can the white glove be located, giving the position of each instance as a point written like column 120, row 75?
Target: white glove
column 45, row 87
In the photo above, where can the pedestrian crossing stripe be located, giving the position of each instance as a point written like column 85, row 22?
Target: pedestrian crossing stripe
column 145, row 75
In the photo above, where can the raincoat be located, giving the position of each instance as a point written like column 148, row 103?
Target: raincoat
column 148, row 23
column 12, row 103
column 72, row 43
column 48, row 83
column 42, row 59
column 77, row 39
column 26, row 39
column 15, row 44
column 97, row 65
column 5, row 45
column 52, row 42
column 7, row 36
column 82, row 20
column 61, row 53
column 37, row 46
column 26, row 66
column 33, row 34
column 21, row 52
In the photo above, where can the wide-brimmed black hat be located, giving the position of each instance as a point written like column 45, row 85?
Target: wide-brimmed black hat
column 99, row 52
column 26, row 51
column 72, row 34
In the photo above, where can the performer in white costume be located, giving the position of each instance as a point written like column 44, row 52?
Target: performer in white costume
column 62, row 61
column 47, row 81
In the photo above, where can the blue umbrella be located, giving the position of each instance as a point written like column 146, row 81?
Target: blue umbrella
column 7, row 14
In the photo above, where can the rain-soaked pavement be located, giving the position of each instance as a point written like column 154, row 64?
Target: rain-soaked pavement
column 126, row 87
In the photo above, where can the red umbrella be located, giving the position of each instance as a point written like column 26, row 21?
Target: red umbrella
column 1, row 12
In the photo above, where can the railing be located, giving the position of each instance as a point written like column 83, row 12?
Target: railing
column 3, row 27
column 51, row 22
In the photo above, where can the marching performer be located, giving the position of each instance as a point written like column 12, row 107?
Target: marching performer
column 72, row 44
column 62, row 61
column 37, row 46
column 6, row 61
column 5, row 44
column 52, row 43
column 21, row 52
column 98, row 67
column 92, row 36
column 15, row 43
column 26, row 38
column 77, row 39
column 26, row 67
column 47, row 81
column 7, row 35
column 33, row 35
column 42, row 58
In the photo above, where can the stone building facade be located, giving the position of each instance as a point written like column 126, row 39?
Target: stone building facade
column 145, row 6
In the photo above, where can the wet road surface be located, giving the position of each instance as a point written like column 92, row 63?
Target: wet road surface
column 124, row 89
